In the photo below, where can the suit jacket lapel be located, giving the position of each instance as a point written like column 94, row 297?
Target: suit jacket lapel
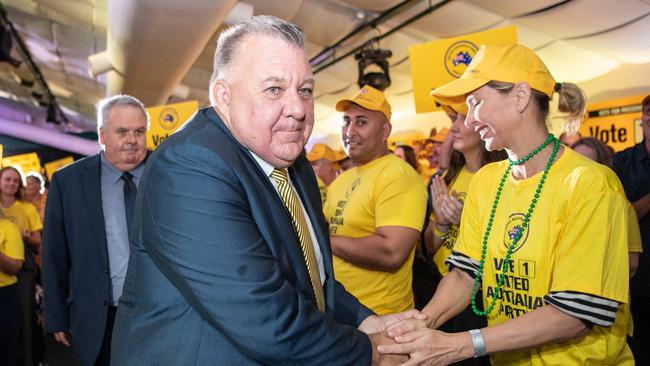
column 92, row 186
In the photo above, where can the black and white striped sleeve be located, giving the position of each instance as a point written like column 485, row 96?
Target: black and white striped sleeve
column 588, row 308
column 464, row 263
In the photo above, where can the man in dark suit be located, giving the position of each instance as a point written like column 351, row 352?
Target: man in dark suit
column 230, row 262
column 85, row 238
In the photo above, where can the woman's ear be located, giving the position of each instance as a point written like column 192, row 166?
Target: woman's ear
column 521, row 93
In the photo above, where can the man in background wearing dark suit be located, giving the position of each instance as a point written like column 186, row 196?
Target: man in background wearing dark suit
column 230, row 259
column 85, row 238
column 632, row 166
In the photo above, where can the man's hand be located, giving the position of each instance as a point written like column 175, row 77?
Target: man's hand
column 62, row 338
column 375, row 324
column 406, row 326
column 378, row 339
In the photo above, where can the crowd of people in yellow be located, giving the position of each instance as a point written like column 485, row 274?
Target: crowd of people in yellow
column 534, row 249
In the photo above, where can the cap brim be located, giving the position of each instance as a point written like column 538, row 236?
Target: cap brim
column 455, row 91
column 313, row 157
column 343, row 104
column 338, row 156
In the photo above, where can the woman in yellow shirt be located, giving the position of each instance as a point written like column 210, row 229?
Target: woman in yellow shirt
column 22, row 213
column 447, row 196
column 544, row 234
column 35, row 192
column 11, row 261
column 26, row 218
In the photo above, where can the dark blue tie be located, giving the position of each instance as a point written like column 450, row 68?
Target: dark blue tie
column 130, row 191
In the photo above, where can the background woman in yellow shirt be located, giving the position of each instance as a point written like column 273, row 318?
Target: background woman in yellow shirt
column 26, row 218
column 11, row 261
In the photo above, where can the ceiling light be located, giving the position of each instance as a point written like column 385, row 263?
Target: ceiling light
column 374, row 57
column 6, row 44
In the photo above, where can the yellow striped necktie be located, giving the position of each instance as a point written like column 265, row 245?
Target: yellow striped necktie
column 292, row 203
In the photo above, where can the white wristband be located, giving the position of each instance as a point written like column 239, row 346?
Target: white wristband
column 478, row 343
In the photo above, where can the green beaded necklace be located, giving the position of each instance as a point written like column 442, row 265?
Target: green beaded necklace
column 524, row 225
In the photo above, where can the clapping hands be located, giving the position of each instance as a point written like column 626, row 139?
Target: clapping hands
column 447, row 206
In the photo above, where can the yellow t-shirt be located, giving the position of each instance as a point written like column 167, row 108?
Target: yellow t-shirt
column 11, row 245
column 384, row 192
column 634, row 233
column 322, row 188
column 460, row 185
column 634, row 246
column 576, row 241
column 24, row 215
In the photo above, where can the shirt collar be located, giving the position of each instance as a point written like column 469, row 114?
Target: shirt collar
column 266, row 167
column 115, row 174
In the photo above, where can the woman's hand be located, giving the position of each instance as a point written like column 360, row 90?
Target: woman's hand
column 431, row 347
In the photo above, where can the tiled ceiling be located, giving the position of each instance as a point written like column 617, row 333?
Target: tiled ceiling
column 601, row 44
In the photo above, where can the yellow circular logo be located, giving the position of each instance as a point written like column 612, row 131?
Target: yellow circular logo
column 169, row 119
column 458, row 57
column 513, row 226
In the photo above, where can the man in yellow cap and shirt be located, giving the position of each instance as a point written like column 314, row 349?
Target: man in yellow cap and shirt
column 375, row 209
column 324, row 160
column 432, row 163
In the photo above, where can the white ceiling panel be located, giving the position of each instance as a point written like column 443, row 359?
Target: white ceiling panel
column 455, row 18
column 338, row 22
column 399, row 44
column 583, row 17
column 373, row 5
column 581, row 66
column 286, row 11
column 514, row 8
column 623, row 81
column 528, row 36
column 629, row 44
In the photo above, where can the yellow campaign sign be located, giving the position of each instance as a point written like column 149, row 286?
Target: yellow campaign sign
column 27, row 162
column 166, row 119
column 615, row 122
column 55, row 165
column 1, row 151
column 439, row 62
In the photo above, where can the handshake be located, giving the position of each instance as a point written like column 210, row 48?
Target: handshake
column 407, row 339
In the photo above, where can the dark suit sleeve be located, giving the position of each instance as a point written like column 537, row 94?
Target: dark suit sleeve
column 200, row 230
column 55, row 262
column 348, row 308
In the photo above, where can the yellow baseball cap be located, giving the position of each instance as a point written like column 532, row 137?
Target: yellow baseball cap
column 440, row 136
column 322, row 151
column 368, row 98
column 506, row 63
